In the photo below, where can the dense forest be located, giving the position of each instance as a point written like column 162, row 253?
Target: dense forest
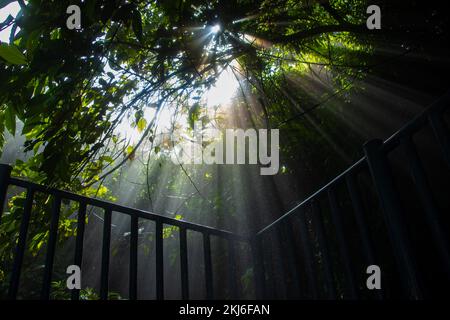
column 93, row 109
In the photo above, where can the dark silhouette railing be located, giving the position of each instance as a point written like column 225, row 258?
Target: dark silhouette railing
column 375, row 161
column 108, row 207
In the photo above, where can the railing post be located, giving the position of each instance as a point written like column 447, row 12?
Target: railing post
column 294, row 287
column 159, row 260
column 358, row 210
column 21, row 246
column 208, row 266
column 258, row 268
column 5, row 174
column 78, row 258
column 323, row 247
column 392, row 209
column 441, row 133
column 361, row 222
column 308, row 256
column 104, row 277
column 51, row 246
column 184, row 264
column 426, row 197
column 132, row 281
column 336, row 218
column 232, row 268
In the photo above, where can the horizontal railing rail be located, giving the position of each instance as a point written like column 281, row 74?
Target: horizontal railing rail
column 109, row 207
column 124, row 209
column 390, row 144
column 376, row 161
column 356, row 167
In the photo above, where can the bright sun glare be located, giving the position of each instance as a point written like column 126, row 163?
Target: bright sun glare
column 220, row 94
column 216, row 28
column 223, row 90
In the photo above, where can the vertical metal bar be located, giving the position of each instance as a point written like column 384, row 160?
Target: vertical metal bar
column 441, row 134
column 79, row 243
column 51, row 245
column 357, row 204
column 327, row 267
column 159, row 261
column 184, row 264
column 258, row 267
column 270, row 269
column 104, row 278
column 280, row 288
column 132, row 281
column 5, row 174
column 20, row 248
column 392, row 209
column 208, row 266
column 288, row 243
column 361, row 222
column 427, row 199
column 307, row 254
column 336, row 216
column 232, row 269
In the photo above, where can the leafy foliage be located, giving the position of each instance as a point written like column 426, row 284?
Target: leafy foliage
column 71, row 88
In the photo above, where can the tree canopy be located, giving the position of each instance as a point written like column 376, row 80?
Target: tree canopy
column 69, row 96
column 71, row 88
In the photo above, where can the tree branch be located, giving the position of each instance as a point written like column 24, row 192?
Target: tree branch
column 333, row 12
column 305, row 34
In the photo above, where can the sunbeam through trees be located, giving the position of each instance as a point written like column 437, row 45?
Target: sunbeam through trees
column 224, row 149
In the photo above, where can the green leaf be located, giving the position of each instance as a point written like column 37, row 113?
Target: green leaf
column 194, row 114
column 103, row 82
column 141, row 125
column 2, row 130
column 10, row 120
column 138, row 115
column 11, row 54
column 129, row 150
column 137, row 24
column 107, row 159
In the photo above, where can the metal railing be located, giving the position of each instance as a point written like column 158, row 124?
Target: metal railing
column 375, row 161
column 108, row 207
